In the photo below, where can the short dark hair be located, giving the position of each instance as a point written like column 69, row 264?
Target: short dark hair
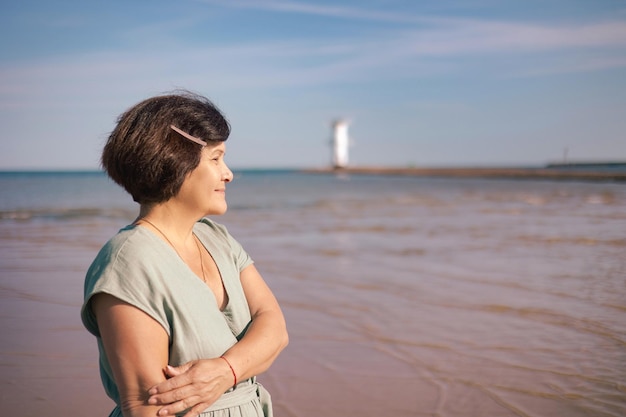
column 149, row 159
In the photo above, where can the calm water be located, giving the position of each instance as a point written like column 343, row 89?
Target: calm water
column 404, row 296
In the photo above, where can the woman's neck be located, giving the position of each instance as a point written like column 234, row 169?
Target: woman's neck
column 168, row 220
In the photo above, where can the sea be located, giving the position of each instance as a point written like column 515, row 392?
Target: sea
column 404, row 296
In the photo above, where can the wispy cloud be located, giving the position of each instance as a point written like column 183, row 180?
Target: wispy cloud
column 385, row 53
column 319, row 10
column 449, row 37
column 502, row 38
column 74, row 89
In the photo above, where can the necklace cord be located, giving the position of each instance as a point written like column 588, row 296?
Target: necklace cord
column 143, row 219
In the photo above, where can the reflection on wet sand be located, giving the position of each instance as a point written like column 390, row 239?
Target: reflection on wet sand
column 467, row 298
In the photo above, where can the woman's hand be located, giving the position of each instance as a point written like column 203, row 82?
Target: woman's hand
column 194, row 386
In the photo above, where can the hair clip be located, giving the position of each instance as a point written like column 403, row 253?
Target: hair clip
column 188, row 136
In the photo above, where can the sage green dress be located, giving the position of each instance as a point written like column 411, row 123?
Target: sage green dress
column 141, row 269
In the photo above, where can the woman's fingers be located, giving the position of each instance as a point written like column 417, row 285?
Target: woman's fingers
column 193, row 387
column 178, row 377
column 194, row 405
column 171, row 371
column 177, row 395
column 190, row 403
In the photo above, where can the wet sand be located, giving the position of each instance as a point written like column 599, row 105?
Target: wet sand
column 48, row 361
column 404, row 298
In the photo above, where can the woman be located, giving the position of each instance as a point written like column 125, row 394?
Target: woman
column 183, row 319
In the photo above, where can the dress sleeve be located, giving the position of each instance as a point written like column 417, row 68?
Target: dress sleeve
column 124, row 272
column 240, row 257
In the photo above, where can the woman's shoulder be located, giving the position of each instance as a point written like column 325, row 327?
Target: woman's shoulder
column 132, row 261
column 216, row 235
column 211, row 228
column 131, row 245
column 132, row 240
column 127, row 267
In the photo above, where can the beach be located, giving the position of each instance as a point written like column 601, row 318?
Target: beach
column 405, row 295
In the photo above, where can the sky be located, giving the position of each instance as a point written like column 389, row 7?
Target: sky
column 422, row 83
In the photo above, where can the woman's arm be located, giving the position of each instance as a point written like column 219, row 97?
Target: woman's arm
column 267, row 335
column 265, row 338
column 137, row 349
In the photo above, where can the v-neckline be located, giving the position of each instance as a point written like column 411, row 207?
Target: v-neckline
column 197, row 278
column 219, row 272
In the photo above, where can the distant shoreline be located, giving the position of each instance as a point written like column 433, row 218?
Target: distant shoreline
column 579, row 171
column 571, row 172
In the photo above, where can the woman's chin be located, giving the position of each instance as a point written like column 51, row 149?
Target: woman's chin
column 217, row 211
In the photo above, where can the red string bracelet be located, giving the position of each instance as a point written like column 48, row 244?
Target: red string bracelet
column 231, row 369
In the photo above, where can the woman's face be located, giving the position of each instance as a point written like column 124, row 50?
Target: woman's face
column 204, row 189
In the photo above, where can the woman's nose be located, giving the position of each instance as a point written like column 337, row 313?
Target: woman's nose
column 227, row 174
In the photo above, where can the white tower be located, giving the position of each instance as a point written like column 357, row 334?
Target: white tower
column 340, row 143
